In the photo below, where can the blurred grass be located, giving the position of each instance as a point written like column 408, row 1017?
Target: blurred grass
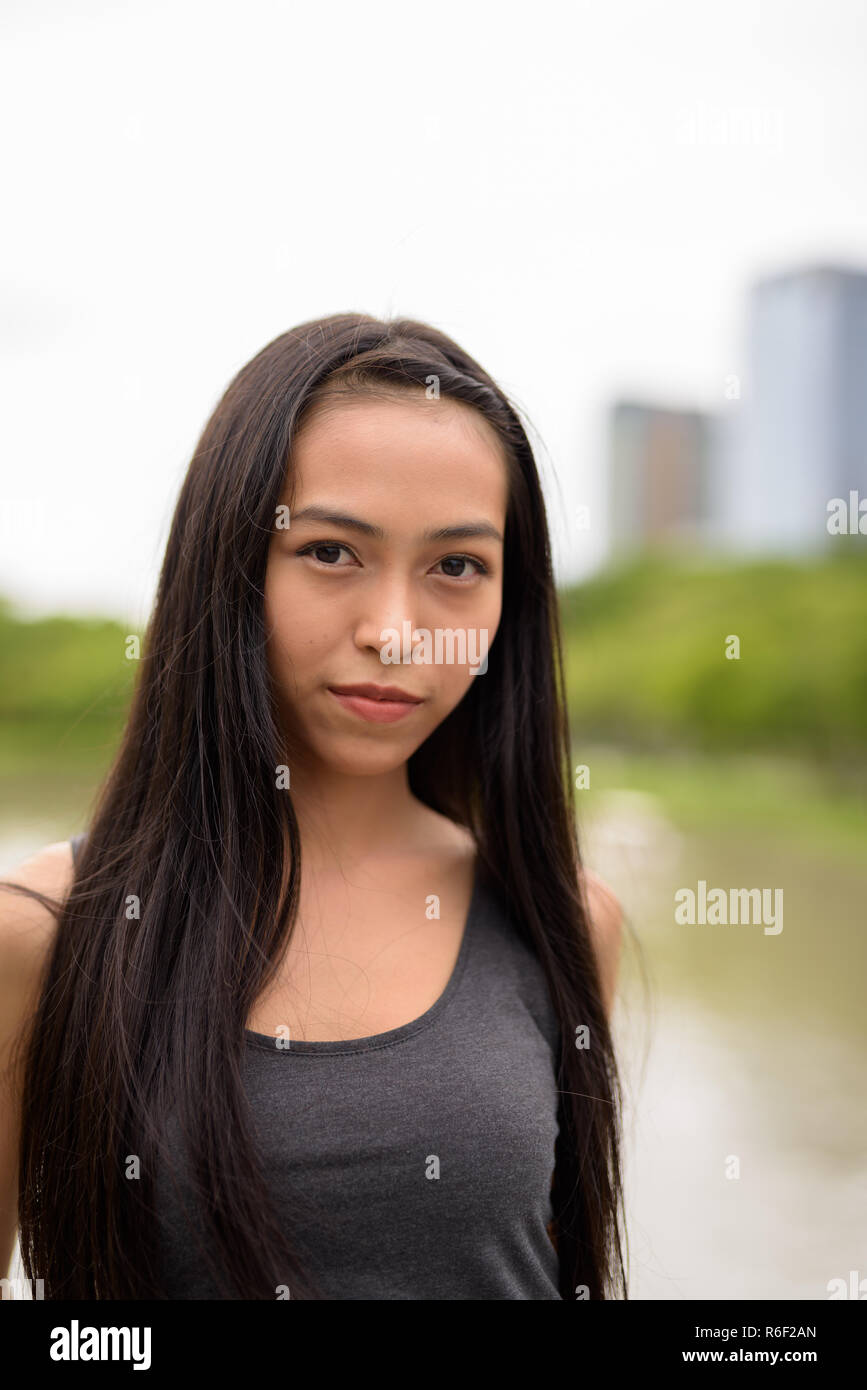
column 59, row 671
column 776, row 740
column 65, row 686
column 787, row 800
column 646, row 665
column 758, row 764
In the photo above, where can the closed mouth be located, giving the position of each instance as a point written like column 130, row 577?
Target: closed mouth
column 389, row 693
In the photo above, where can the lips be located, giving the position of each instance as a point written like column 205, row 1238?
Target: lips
column 376, row 704
column 391, row 693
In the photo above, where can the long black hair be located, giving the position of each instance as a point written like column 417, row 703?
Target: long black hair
column 190, row 822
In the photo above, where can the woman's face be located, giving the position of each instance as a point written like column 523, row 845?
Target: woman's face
column 365, row 576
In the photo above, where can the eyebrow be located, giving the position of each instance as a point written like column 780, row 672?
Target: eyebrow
column 465, row 530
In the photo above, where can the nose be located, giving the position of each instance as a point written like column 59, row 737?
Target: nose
column 387, row 612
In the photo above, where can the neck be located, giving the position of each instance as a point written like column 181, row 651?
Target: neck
column 347, row 820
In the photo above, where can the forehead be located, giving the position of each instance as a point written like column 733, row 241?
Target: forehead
column 393, row 453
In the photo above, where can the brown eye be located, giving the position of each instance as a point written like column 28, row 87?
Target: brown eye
column 329, row 547
column 463, row 560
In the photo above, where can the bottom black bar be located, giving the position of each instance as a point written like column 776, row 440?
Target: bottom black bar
column 250, row 1338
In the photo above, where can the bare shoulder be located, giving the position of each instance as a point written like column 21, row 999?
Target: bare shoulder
column 49, row 871
column 27, row 927
column 26, row 934
column 602, row 900
column 606, row 926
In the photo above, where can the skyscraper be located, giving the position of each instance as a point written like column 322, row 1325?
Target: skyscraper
column 798, row 437
column 659, row 461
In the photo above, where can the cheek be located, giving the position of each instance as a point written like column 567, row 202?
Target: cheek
column 492, row 621
column 488, row 620
column 287, row 625
column 455, row 680
column 294, row 619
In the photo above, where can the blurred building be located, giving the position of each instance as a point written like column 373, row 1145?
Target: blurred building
column 799, row 436
column 759, row 475
column 660, row 464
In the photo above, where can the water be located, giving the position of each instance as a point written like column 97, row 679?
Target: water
column 747, row 1058
column 749, row 1047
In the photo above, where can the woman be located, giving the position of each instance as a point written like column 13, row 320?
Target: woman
column 324, row 1014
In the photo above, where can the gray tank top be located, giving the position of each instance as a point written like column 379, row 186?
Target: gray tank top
column 415, row 1164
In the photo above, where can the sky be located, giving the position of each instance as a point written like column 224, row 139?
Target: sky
column 581, row 195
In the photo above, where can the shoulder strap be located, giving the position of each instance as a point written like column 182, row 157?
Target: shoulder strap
column 76, row 842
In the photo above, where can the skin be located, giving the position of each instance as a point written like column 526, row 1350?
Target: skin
column 405, row 466
column 371, row 850
column 363, row 958
column 369, row 847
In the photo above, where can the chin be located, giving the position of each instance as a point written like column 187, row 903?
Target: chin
column 362, row 757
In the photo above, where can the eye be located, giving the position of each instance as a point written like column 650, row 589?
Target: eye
column 325, row 545
column 463, row 560
column 333, row 548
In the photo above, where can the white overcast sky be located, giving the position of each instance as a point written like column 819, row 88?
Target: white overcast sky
column 579, row 193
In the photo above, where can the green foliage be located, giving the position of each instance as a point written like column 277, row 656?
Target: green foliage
column 645, row 660
column 646, row 666
column 63, row 669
